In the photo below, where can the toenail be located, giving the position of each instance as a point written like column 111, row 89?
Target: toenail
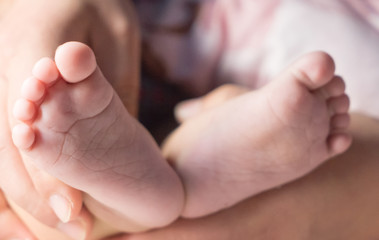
column 62, row 207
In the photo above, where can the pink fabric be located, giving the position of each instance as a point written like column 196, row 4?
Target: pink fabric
column 250, row 41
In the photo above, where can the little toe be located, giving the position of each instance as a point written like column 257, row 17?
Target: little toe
column 24, row 110
column 339, row 143
column 339, row 105
column 45, row 70
column 32, row 89
column 23, row 136
column 313, row 70
column 75, row 61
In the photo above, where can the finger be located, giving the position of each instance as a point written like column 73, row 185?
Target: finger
column 48, row 190
column 13, row 173
column 76, row 229
column 10, row 225
column 79, row 228
column 66, row 202
column 191, row 108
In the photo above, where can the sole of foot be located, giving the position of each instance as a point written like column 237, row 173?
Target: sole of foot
column 74, row 126
column 263, row 138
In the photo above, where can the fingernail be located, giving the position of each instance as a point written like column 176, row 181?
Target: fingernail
column 62, row 207
column 74, row 229
column 187, row 109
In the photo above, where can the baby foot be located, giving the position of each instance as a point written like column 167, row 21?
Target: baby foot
column 76, row 128
column 262, row 138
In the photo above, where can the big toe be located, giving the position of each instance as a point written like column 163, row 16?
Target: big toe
column 75, row 61
column 312, row 70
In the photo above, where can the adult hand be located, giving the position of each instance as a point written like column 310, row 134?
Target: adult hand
column 30, row 30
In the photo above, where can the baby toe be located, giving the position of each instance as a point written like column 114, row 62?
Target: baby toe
column 23, row 136
column 32, row 89
column 340, row 121
column 313, row 70
column 24, row 110
column 75, row 61
column 339, row 143
column 336, row 87
column 45, row 70
column 339, row 105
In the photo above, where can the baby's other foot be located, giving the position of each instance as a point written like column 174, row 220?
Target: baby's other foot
column 264, row 138
column 75, row 127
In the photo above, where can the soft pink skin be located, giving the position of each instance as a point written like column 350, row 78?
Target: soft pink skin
column 82, row 134
column 314, row 92
column 261, row 139
column 74, row 65
column 368, row 106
